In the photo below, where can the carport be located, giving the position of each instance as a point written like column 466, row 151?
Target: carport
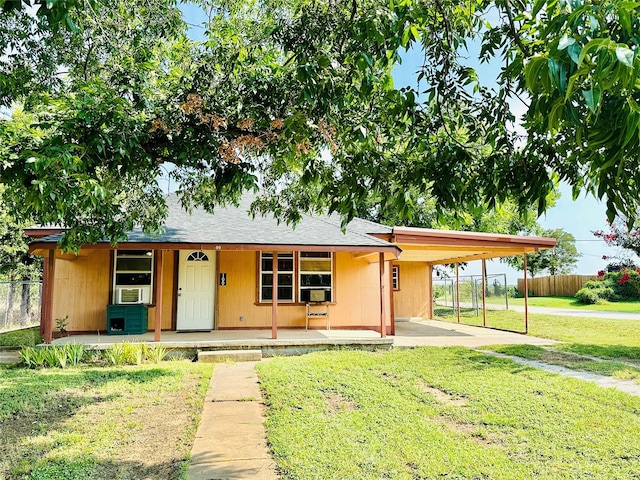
column 450, row 247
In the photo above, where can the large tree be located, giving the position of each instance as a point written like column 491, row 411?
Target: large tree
column 298, row 98
column 560, row 260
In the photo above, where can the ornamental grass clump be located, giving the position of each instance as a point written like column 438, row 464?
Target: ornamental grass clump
column 613, row 287
column 58, row 356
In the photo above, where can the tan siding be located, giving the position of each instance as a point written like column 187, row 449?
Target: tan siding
column 412, row 300
column 82, row 290
column 238, row 297
column 168, row 287
column 356, row 294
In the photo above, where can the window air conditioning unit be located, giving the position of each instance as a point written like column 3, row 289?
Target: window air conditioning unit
column 131, row 295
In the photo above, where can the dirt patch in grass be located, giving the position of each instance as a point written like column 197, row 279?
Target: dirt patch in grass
column 472, row 431
column 442, row 397
column 337, row 403
column 560, row 358
column 124, row 423
column 153, row 434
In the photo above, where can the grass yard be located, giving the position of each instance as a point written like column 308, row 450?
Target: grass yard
column 572, row 303
column 617, row 342
column 26, row 337
column 443, row 413
column 582, row 330
column 565, row 358
column 100, row 422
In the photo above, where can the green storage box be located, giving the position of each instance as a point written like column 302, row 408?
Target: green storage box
column 127, row 319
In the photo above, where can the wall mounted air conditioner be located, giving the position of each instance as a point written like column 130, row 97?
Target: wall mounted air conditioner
column 131, row 295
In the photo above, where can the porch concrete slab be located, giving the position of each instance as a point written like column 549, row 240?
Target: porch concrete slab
column 230, row 338
column 231, row 441
column 218, row 356
column 435, row 333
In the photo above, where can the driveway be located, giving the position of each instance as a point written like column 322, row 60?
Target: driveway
column 435, row 333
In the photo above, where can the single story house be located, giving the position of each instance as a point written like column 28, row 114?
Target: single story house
column 222, row 271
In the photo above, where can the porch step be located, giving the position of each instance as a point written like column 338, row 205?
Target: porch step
column 217, row 356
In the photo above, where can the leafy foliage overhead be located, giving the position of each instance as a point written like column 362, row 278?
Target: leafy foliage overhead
column 297, row 98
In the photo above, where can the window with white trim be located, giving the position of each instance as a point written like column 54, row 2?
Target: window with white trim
column 316, row 274
column 285, row 277
column 133, row 276
column 395, row 277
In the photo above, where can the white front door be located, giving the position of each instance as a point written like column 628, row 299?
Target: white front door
column 196, row 290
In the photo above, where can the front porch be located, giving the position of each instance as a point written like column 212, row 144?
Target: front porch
column 289, row 341
column 408, row 334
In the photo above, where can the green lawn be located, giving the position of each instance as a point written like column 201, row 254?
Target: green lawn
column 26, row 337
column 443, row 413
column 582, row 330
column 100, row 422
column 615, row 341
column 572, row 303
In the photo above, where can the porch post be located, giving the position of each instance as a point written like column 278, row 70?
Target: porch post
column 391, row 306
column 457, row 302
column 383, row 313
column 49, row 277
column 274, row 298
column 526, row 296
column 484, row 292
column 43, row 294
column 430, row 288
column 158, row 296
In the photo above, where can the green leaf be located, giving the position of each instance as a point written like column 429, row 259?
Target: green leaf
column 566, row 41
column 625, row 55
column 592, row 97
column 537, row 6
column 574, row 53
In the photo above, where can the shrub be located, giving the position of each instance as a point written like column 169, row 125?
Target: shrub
column 588, row 296
column 613, row 286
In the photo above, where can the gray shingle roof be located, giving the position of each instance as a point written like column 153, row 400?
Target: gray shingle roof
column 234, row 225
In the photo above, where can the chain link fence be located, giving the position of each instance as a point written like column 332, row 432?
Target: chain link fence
column 19, row 305
column 470, row 288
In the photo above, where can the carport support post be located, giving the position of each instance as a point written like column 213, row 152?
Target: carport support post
column 383, row 313
column 484, row 292
column 457, row 302
column 158, row 300
column 431, row 296
column 526, row 296
column 274, row 298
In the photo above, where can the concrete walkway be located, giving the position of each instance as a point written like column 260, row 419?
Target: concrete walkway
column 231, row 442
column 9, row 356
column 626, row 386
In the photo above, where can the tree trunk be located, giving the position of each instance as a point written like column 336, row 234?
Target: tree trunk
column 10, row 297
column 25, row 301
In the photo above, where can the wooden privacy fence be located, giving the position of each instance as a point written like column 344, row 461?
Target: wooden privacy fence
column 555, row 285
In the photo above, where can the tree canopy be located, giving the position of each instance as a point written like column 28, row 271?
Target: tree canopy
column 560, row 260
column 297, row 98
